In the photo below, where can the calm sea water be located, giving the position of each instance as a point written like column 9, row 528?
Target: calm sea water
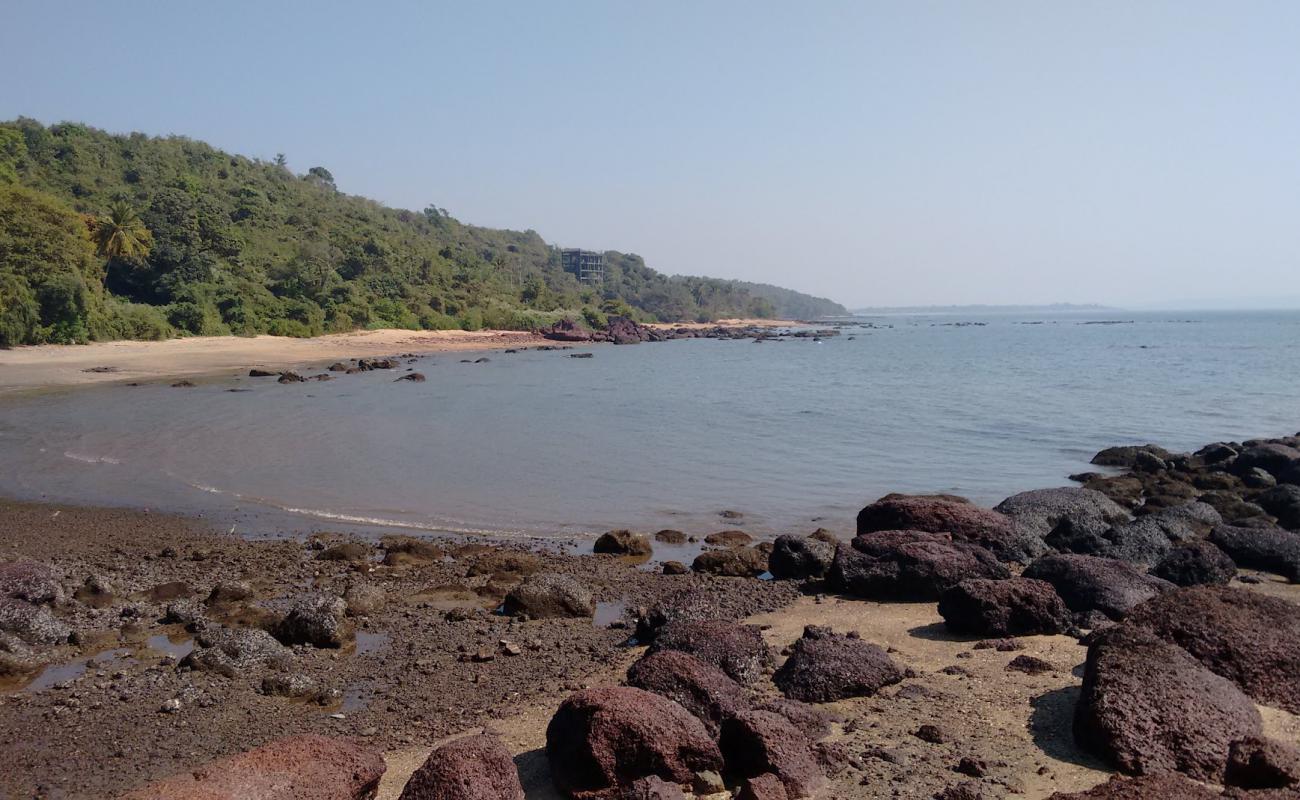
column 792, row 434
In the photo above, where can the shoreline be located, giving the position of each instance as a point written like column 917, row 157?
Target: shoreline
column 50, row 366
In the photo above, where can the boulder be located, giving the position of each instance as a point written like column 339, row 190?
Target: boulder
column 691, row 605
column 908, row 565
column 234, row 651
column 1251, row 639
column 738, row 650
column 623, row 543
column 1128, row 456
column 1089, row 583
column 316, row 620
column 1259, row 763
column 566, row 330
column 1144, row 540
column 550, row 594
column 1008, row 607
column 345, row 551
column 815, row 723
column 825, row 666
column 472, row 768
column 227, row 592
column 797, row 558
column 498, row 563
column 700, row 688
column 1146, row 706
column 1194, row 564
column 295, row 768
column 1040, row 510
column 653, row 788
column 763, row 787
column 601, row 741
column 1283, row 502
column 1274, row 459
column 1233, row 508
column 408, row 550
column 670, row 536
column 728, row 539
column 363, row 599
column 755, row 743
column 1271, row 549
column 31, row 582
column 33, row 624
column 1147, row 787
column 965, row 522
column 736, row 562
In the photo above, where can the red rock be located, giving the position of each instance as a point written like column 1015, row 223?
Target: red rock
column 700, row 688
column 473, row 768
column 295, row 768
column 738, row 650
column 965, row 522
column 1151, row 787
column 1259, row 763
column 826, row 666
column 756, row 743
column 908, row 565
column 1011, row 607
column 763, row 787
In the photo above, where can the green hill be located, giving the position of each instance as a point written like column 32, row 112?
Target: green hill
column 107, row 236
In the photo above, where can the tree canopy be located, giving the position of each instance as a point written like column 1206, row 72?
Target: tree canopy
column 134, row 236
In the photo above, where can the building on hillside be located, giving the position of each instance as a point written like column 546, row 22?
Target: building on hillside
column 587, row 266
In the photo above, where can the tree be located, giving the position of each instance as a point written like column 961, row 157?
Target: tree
column 122, row 235
column 281, row 161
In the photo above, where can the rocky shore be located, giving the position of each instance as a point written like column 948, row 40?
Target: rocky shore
column 1133, row 636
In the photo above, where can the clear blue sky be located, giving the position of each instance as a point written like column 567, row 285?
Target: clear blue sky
column 880, row 153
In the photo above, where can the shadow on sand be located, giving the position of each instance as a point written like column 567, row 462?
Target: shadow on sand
column 1051, row 726
column 535, row 774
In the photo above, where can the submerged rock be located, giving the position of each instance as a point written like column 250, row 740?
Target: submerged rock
column 826, row 666
column 601, row 741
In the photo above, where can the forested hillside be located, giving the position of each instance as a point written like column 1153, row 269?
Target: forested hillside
column 789, row 304
column 106, row 236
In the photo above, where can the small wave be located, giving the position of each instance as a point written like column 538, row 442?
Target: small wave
column 85, row 459
column 384, row 522
column 204, row 488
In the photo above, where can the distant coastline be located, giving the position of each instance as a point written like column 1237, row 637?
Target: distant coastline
column 981, row 309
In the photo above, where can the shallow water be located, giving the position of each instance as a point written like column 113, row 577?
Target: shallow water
column 792, row 434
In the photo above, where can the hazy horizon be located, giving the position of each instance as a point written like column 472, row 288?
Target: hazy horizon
column 877, row 154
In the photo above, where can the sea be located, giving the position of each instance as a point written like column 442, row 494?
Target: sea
column 785, row 435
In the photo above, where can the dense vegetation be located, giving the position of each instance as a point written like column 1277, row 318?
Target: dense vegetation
column 105, row 236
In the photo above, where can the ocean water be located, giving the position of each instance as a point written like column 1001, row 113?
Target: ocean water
column 792, row 434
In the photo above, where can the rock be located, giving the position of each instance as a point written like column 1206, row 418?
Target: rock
column 738, row 650
column 623, row 543
column 412, row 377
column 338, row 366
column 1128, row 456
column 1009, row 607
column 408, row 550
column 1088, row 583
column 728, row 539
column 825, row 666
column 234, row 651
column 763, row 787
column 1233, row 508
column 316, row 620
column 1251, row 639
column 1194, row 564
column 1217, row 452
column 368, row 364
column 363, row 599
column 33, row 624
column 1257, row 478
column 227, row 592
column 1030, row 665
column 675, row 568
column 95, row 591
column 550, row 594
column 566, row 330
column 1271, row 549
column 172, row 590
column 700, row 688
column 183, row 384
column 1147, row 706
column 797, row 558
column 183, row 612
column 1144, row 540
column 290, row 377
column 261, row 373
column 739, row 562
column 653, row 788
column 1041, row 510
column 1274, row 459
column 299, row 767
column 1283, row 502
column 505, row 563
column 1259, row 763
column 472, row 768
column 347, row 551
column 758, row 743
column 964, row 521
column 294, row 685
column 691, row 605
column 601, row 741
column 1147, row 787
column 30, row 582
column 908, row 565
column 932, row 734
column 669, row 536
column 810, row 720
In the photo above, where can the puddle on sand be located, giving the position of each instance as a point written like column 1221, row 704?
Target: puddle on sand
column 54, row 674
column 608, row 613
column 368, row 642
column 177, row 647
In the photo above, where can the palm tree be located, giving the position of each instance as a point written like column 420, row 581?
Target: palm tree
column 121, row 234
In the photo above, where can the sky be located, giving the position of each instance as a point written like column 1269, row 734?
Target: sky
column 879, row 153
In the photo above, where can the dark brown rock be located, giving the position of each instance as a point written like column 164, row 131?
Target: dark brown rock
column 700, row 688
column 738, row 650
column 1148, row 787
column 728, row 539
column 737, row 562
column 548, row 595
column 669, row 536
column 1270, row 548
column 758, row 743
column 1030, row 665
column 763, row 787
column 316, row 620
column 1147, row 707
column 826, row 666
column 296, row 768
column 1088, row 583
column 347, row 551
column 601, row 741
column 1040, row 510
column 797, row 558
column 623, row 543
column 1259, row 763
column 1196, row 563
column 908, row 565
column 653, row 788
column 1249, row 638
column 1009, row 607
column 964, row 521
column 473, row 768
column 30, row 582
